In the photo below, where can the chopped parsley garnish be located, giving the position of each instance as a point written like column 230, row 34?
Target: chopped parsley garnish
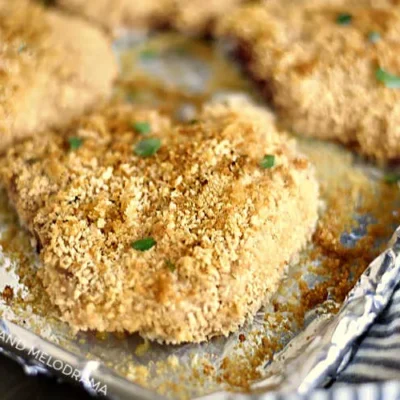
column 142, row 127
column 374, row 37
column 170, row 265
column 148, row 54
column 143, row 244
column 22, row 47
column 193, row 121
column 268, row 161
column 344, row 19
column 148, row 147
column 391, row 178
column 75, row 143
column 389, row 80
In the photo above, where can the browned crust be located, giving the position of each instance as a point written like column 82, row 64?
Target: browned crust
column 227, row 225
column 193, row 17
column 320, row 75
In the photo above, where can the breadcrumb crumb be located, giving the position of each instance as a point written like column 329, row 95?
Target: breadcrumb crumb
column 320, row 74
column 194, row 17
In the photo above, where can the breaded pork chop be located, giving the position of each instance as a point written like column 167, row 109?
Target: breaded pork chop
column 330, row 70
column 195, row 16
column 176, row 232
column 52, row 67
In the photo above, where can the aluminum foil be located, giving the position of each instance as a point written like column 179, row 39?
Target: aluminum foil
column 110, row 366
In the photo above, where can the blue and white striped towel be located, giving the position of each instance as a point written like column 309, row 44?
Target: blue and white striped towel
column 374, row 371
column 378, row 354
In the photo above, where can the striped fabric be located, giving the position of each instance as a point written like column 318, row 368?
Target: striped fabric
column 374, row 372
column 377, row 357
column 369, row 391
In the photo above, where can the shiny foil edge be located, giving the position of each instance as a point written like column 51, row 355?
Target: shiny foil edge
column 325, row 346
column 21, row 344
column 302, row 366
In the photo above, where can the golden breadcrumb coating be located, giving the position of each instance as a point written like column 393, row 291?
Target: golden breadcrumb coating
column 195, row 16
column 224, row 227
column 315, row 60
column 52, row 67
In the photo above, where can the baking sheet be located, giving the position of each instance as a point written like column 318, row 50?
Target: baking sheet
column 359, row 212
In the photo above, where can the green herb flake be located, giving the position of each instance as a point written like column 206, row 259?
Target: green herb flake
column 148, row 54
column 75, row 143
column 147, row 147
column 374, row 37
column 170, row 265
column 193, row 121
column 22, row 47
column 142, row 127
column 389, row 80
column 268, row 161
column 391, row 178
column 143, row 244
column 344, row 19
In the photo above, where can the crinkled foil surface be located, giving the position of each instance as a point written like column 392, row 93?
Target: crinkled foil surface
column 300, row 357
